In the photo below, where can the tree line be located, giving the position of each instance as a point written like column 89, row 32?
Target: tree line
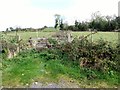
column 97, row 22
column 24, row 29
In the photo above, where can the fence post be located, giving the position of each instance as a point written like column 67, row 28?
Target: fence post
column 69, row 37
column 18, row 47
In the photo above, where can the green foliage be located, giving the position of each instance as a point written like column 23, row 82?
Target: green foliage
column 30, row 64
column 48, row 56
column 71, row 27
column 52, row 41
column 61, row 25
column 98, row 22
column 117, row 19
column 99, row 55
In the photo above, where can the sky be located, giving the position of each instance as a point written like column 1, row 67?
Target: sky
column 38, row 13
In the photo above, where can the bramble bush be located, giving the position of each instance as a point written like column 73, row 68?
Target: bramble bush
column 99, row 55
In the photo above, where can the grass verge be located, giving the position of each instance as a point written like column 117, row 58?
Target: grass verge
column 31, row 66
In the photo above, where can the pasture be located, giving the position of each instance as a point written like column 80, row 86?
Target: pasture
column 48, row 32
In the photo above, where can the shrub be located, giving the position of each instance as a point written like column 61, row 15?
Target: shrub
column 98, row 55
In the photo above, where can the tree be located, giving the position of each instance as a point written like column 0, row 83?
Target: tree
column 11, row 29
column 7, row 30
column 65, row 26
column 61, row 25
column 76, row 25
column 57, row 20
column 117, row 19
column 56, row 24
column 100, row 23
column 83, row 26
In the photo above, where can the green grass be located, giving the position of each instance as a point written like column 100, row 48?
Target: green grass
column 32, row 66
column 48, row 32
column 27, row 35
column 107, row 36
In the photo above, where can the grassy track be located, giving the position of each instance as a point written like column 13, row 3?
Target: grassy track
column 30, row 67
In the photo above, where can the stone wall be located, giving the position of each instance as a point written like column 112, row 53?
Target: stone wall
column 63, row 36
column 39, row 43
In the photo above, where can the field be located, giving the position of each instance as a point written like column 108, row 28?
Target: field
column 108, row 36
column 48, row 68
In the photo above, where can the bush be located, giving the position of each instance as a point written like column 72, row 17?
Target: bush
column 98, row 55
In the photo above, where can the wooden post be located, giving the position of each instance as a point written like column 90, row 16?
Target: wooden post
column 18, row 47
column 9, row 53
column 37, row 33
column 118, row 37
column 69, row 37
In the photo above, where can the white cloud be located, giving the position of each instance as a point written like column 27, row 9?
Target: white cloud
column 23, row 13
column 82, row 9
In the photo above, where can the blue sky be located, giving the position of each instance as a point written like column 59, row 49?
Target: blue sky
column 37, row 13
